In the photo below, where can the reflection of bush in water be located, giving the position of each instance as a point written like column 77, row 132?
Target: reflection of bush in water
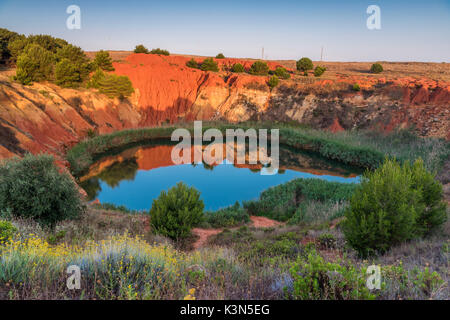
column 207, row 166
column 112, row 175
column 119, row 171
column 92, row 188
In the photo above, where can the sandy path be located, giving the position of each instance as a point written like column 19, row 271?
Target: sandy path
column 204, row 234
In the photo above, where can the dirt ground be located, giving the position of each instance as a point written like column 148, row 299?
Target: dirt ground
column 431, row 70
column 204, row 234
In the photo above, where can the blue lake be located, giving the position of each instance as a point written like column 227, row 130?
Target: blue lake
column 136, row 176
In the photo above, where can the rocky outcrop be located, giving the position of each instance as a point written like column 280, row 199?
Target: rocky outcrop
column 45, row 117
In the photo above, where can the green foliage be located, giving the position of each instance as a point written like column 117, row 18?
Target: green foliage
column 316, row 279
column 304, row 64
column 34, row 64
column 16, row 47
column 192, row 64
column 7, row 231
column 160, row 51
column 318, row 71
column 259, row 68
column 78, row 59
column 376, row 68
column 48, row 42
column 34, row 188
column 273, row 81
column 6, row 38
column 175, row 212
column 103, row 61
column 220, row 56
column 282, row 73
column 237, row 67
column 67, row 74
column 393, row 204
column 111, row 85
column 140, row 49
column 327, row 241
column 356, row 87
column 281, row 202
column 209, row 65
column 227, row 217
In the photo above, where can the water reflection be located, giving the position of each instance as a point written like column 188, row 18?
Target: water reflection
column 137, row 175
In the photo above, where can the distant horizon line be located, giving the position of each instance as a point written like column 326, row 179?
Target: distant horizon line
column 249, row 58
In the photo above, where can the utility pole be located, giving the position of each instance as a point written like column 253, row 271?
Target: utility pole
column 321, row 55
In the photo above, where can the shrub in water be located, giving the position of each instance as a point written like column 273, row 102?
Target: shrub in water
column 376, row 68
column 237, row 67
column 209, row 65
column 259, row 68
column 393, row 204
column 176, row 211
column 304, row 64
column 34, row 188
column 7, row 230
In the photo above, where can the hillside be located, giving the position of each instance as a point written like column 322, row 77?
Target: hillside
column 166, row 91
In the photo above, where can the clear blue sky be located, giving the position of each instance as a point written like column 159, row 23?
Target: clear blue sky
column 411, row 30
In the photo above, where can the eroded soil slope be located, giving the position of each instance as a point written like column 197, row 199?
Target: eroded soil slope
column 45, row 117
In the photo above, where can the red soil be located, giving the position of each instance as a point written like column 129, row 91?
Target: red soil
column 204, row 234
column 263, row 222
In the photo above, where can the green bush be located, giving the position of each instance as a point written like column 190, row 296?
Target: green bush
column 6, row 38
column 318, row 71
column 67, row 74
column 209, row 65
column 160, row 51
column 7, row 231
column 103, row 61
column 316, row 279
column 281, row 202
column 259, row 68
column 356, row 87
column 140, row 49
column 16, row 47
column 376, row 68
column 393, row 204
column 48, row 42
column 273, row 82
column 34, row 188
column 192, row 64
column 227, row 217
column 282, row 73
column 304, row 64
column 238, row 68
column 220, row 56
column 112, row 85
column 175, row 212
column 34, row 64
